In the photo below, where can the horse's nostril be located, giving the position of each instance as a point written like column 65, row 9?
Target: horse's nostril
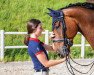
column 52, row 35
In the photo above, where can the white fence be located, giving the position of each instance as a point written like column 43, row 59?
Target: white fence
column 2, row 46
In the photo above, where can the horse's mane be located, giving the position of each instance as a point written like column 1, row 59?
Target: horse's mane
column 84, row 5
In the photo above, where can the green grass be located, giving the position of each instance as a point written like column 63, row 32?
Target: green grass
column 16, row 55
column 13, row 17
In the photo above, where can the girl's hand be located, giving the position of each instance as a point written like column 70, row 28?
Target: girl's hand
column 64, row 59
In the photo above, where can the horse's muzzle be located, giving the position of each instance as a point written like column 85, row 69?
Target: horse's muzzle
column 63, row 51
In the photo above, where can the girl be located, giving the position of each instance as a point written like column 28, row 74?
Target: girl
column 37, row 49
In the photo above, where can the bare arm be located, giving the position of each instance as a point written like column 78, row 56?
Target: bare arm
column 48, row 63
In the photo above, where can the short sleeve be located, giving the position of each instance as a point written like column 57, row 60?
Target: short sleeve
column 37, row 50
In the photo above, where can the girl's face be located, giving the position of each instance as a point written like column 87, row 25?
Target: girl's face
column 39, row 30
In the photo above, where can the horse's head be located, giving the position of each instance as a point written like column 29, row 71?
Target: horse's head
column 64, row 28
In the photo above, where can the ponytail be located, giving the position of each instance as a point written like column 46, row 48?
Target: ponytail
column 26, row 39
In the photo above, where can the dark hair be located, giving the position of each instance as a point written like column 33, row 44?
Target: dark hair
column 31, row 26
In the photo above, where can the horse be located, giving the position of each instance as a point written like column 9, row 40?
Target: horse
column 67, row 21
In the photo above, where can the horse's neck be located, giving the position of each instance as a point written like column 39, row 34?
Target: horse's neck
column 86, row 26
column 85, row 21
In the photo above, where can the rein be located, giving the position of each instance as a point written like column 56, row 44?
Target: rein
column 71, row 69
column 59, row 16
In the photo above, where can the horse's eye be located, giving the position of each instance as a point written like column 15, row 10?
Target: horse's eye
column 57, row 24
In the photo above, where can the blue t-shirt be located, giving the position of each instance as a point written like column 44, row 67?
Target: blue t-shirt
column 35, row 47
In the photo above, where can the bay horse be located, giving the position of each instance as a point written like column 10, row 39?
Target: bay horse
column 67, row 21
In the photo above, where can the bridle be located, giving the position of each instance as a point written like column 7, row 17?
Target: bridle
column 61, row 19
column 65, row 51
column 67, row 42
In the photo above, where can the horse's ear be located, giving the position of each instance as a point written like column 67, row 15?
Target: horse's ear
column 51, row 12
column 50, row 9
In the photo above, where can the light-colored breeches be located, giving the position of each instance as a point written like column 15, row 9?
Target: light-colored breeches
column 41, row 73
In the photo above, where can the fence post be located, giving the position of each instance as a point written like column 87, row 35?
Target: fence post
column 2, row 45
column 47, row 37
column 82, row 46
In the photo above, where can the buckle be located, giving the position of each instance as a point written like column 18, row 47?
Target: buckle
column 42, row 70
